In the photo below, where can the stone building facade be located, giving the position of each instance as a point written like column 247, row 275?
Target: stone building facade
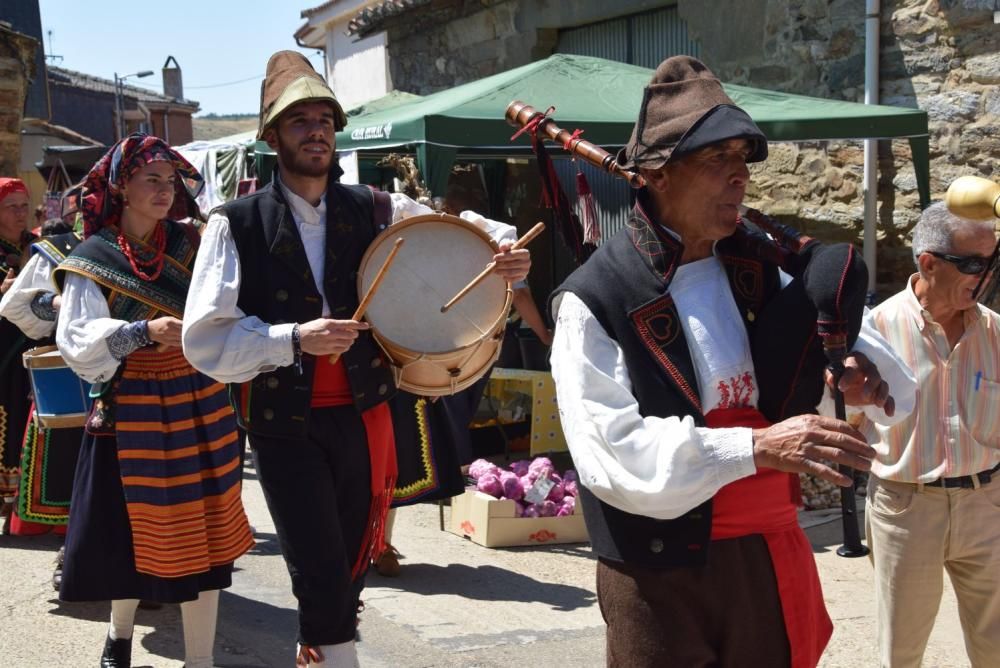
column 942, row 56
column 17, row 68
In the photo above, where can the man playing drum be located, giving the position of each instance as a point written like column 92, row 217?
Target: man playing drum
column 270, row 306
column 662, row 397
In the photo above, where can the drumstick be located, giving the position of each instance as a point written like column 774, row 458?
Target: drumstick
column 520, row 243
column 360, row 311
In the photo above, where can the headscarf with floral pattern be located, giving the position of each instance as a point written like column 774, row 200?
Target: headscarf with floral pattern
column 99, row 196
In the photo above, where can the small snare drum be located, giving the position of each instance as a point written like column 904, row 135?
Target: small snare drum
column 435, row 353
column 62, row 399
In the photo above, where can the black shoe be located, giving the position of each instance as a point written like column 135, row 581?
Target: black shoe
column 117, row 653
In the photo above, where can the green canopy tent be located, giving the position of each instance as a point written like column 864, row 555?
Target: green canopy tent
column 602, row 97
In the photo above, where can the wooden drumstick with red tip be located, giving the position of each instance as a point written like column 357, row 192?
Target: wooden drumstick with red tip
column 363, row 306
column 520, row 243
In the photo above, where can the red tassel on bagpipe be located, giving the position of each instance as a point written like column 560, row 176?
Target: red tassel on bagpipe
column 588, row 210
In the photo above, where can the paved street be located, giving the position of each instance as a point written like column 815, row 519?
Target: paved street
column 456, row 605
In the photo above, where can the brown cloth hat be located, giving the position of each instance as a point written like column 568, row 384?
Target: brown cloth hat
column 684, row 108
column 291, row 79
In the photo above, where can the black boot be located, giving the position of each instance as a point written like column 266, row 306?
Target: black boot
column 117, row 653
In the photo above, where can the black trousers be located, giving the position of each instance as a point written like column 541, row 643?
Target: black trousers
column 318, row 492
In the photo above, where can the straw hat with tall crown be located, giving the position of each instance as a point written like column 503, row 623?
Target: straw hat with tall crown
column 291, row 79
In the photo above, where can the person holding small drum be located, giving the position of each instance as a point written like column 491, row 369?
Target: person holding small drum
column 270, row 307
column 48, row 455
column 157, row 514
column 14, row 241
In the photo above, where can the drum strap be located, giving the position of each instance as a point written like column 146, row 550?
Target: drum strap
column 382, row 213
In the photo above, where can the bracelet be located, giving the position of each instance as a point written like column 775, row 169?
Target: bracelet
column 297, row 348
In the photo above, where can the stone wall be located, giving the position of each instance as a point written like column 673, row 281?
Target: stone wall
column 942, row 56
column 17, row 64
column 939, row 55
column 451, row 42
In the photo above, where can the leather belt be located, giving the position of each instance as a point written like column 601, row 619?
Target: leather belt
column 964, row 481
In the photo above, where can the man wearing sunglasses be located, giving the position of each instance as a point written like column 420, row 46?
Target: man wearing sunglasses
column 934, row 494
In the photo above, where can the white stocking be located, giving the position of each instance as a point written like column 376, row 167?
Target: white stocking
column 199, row 618
column 123, row 618
column 390, row 519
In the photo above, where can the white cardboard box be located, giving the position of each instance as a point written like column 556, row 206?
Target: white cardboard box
column 491, row 523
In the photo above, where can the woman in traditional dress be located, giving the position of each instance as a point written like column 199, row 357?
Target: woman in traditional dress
column 14, row 389
column 48, row 456
column 156, row 503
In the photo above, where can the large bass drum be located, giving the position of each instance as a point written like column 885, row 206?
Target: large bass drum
column 435, row 353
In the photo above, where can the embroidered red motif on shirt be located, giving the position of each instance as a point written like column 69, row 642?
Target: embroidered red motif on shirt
column 737, row 392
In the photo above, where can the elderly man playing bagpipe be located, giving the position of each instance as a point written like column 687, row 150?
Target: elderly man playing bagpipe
column 688, row 359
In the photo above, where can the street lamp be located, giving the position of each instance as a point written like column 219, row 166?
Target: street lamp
column 120, row 97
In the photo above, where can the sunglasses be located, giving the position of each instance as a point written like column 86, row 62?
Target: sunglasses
column 967, row 264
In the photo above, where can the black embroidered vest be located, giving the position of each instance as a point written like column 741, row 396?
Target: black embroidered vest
column 625, row 285
column 56, row 247
column 277, row 285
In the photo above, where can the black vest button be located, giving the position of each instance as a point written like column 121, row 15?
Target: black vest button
column 281, row 295
column 656, row 546
column 376, row 362
column 382, row 389
column 272, row 382
column 268, row 414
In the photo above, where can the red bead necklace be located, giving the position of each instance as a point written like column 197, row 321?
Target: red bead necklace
column 159, row 242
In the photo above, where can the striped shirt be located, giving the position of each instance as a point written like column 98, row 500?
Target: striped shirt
column 955, row 427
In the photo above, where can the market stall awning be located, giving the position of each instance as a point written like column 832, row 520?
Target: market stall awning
column 601, row 97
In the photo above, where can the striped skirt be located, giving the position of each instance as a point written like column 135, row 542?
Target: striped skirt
column 156, row 508
column 179, row 456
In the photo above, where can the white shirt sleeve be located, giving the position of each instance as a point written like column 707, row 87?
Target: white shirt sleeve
column 219, row 339
column 34, row 279
column 902, row 383
column 404, row 207
column 657, row 467
column 83, row 327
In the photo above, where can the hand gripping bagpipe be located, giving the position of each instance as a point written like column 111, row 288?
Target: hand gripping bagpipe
column 828, row 279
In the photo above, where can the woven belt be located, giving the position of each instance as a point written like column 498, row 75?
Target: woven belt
column 964, row 481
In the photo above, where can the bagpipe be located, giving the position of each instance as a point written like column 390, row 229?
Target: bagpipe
column 829, row 280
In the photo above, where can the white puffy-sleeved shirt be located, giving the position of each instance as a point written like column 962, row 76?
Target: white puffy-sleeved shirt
column 219, row 339
column 35, row 279
column 86, row 334
column 663, row 467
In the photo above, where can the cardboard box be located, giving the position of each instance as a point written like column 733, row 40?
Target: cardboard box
column 491, row 523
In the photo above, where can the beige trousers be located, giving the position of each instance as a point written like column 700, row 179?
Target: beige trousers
column 918, row 532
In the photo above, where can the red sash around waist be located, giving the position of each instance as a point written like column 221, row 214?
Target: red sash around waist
column 331, row 387
column 765, row 503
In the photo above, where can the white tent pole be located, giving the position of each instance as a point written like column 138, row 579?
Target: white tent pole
column 870, row 185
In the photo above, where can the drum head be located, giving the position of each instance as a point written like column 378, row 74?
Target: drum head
column 440, row 256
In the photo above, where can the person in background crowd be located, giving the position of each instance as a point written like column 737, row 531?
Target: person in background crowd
column 48, row 456
column 274, row 288
column 156, row 502
column 15, row 388
column 934, row 493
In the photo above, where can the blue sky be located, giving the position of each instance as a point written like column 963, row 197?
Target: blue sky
column 214, row 41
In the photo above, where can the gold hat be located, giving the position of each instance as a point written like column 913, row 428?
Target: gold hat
column 291, row 79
